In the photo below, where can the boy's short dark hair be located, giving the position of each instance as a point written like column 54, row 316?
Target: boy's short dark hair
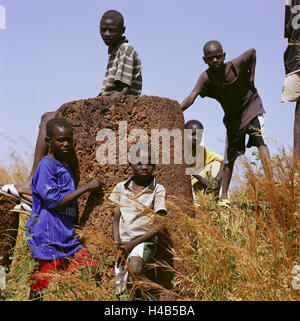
column 193, row 122
column 212, row 44
column 59, row 122
column 114, row 15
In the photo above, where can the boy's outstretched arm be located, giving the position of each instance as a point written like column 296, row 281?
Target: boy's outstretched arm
column 69, row 198
column 190, row 99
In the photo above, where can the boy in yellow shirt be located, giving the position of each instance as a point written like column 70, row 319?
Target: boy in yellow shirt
column 209, row 175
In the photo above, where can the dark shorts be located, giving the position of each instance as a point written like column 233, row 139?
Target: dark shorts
column 235, row 142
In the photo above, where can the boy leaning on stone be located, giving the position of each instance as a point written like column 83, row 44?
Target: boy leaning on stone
column 123, row 77
column 137, row 218
column 50, row 226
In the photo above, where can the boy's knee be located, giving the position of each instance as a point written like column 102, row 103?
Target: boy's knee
column 46, row 117
column 228, row 165
column 136, row 265
column 297, row 110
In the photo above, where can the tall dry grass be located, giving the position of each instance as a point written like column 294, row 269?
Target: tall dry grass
column 243, row 254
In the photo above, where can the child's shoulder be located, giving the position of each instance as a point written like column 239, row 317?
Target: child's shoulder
column 47, row 161
column 127, row 48
column 120, row 185
column 51, row 161
column 50, row 164
column 159, row 188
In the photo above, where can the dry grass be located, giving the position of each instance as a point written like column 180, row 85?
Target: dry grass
column 245, row 254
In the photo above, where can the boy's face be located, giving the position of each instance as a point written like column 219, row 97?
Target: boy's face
column 196, row 134
column 214, row 58
column 111, row 32
column 143, row 170
column 61, row 142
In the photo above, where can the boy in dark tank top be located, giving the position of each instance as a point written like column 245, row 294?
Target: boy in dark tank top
column 232, row 85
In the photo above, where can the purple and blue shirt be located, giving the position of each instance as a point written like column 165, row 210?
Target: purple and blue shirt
column 50, row 231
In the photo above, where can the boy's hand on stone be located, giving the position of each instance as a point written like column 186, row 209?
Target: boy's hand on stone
column 93, row 185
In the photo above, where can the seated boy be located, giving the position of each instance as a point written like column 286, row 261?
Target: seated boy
column 123, row 77
column 208, row 164
column 136, row 223
column 54, row 212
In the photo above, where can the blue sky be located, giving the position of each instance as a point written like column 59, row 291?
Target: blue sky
column 51, row 53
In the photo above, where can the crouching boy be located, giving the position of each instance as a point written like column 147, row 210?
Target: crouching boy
column 137, row 218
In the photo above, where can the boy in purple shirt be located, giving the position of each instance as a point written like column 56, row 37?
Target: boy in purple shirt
column 232, row 85
column 50, row 226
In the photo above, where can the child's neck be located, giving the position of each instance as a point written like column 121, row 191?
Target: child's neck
column 219, row 73
column 142, row 181
column 63, row 161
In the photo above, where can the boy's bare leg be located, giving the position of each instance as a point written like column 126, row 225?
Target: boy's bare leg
column 136, row 265
column 264, row 156
column 226, row 178
column 264, row 151
column 136, row 268
column 40, row 151
column 297, row 130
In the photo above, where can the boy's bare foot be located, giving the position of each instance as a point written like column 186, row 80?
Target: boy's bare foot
column 21, row 191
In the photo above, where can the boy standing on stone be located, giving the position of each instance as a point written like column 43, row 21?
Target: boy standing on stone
column 123, row 77
column 140, row 203
column 50, row 226
column 123, row 74
column 232, row 85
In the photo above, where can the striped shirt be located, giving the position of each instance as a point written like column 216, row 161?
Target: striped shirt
column 124, row 65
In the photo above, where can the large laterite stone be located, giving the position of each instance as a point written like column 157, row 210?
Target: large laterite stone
column 120, row 115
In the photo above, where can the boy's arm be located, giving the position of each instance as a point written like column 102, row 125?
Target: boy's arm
column 123, row 89
column 189, row 100
column 252, row 69
column 288, row 19
column 128, row 246
column 46, row 186
column 115, row 226
column 197, row 90
column 219, row 176
column 247, row 62
column 69, row 198
column 125, row 73
column 202, row 180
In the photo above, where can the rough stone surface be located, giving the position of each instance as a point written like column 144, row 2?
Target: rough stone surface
column 87, row 117
column 9, row 223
